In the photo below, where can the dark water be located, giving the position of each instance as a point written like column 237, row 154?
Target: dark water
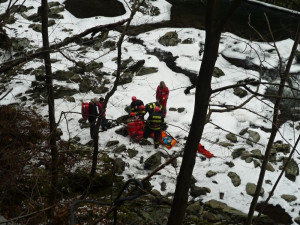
column 283, row 24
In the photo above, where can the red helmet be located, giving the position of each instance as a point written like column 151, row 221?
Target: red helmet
column 142, row 107
column 133, row 98
column 157, row 109
column 132, row 114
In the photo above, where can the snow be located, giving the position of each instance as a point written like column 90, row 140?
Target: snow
column 143, row 87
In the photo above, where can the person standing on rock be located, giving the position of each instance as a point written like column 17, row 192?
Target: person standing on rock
column 162, row 94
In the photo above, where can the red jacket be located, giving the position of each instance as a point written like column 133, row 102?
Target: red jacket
column 162, row 93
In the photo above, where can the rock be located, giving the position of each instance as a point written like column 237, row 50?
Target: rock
column 85, row 85
column 245, row 154
column 256, row 163
column 180, row 109
column 196, row 191
column 125, row 78
column 210, row 173
column 163, row 186
column 136, row 66
column 194, row 209
column 226, row 144
column 250, row 189
column 132, row 152
column 239, row 92
column 70, row 98
column 146, row 70
column 63, row 75
column 237, row 152
column 256, row 153
column 20, row 44
column 75, row 78
column 292, row 169
column 112, row 143
column 153, row 161
column 36, row 27
column 270, row 168
column 231, row 137
column 61, row 92
column 119, row 165
column 120, row 149
column 218, row 72
column 285, row 148
column 289, row 198
column 297, row 220
column 188, row 41
column 172, row 109
column 230, row 164
column 169, row 39
column 225, row 214
column 122, row 131
column 109, row 44
column 235, row 179
column 243, row 131
column 253, row 136
column 277, row 213
column 100, row 90
column 93, row 65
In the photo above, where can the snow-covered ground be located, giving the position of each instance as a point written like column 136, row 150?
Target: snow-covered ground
column 143, row 87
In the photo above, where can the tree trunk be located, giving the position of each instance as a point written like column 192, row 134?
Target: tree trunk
column 203, row 91
column 49, row 85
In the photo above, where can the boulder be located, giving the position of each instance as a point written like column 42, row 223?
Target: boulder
column 231, row 137
column 237, row 152
column 239, row 92
column 169, row 39
column 235, row 179
column 292, row 169
column 289, row 198
column 153, row 161
column 218, row 72
column 251, row 187
column 196, row 191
